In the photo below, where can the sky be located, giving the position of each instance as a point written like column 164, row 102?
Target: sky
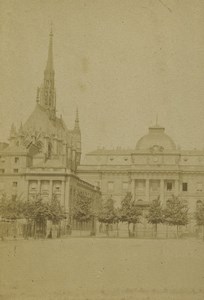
column 121, row 62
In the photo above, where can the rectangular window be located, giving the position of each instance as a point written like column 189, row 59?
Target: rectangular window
column 110, row 186
column 2, row 171
column 199, row 187
column 169, row 186
column 155, row 185
column 1, row 186
column 184, row 186
column 97, row 183
column 125, row 186
column 140, row 185
column 16, row 159
column 57, row 186
column 45, row 186
column 32, row 185
column 15, row 170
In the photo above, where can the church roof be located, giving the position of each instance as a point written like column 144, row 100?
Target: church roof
column 15, row 149
column 40, row 120
column 117, row 151
column 156, row 137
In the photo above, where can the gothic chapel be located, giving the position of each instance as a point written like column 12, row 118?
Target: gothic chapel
column 42, row 155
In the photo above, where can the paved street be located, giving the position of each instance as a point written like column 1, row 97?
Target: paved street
column 93, row 268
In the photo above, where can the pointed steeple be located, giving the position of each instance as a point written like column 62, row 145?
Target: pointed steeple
column 13, row 130
column 38, row 95
column 49, row 66
column 156, row 119
column 21, row 129
column 47, row 94
column 76, row 127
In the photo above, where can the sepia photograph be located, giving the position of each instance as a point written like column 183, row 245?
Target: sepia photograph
column 102, row 149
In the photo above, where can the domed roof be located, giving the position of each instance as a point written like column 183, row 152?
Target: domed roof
column 156, row 138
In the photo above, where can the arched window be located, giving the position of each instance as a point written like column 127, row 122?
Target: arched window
column 49, row 150
column 199, row 203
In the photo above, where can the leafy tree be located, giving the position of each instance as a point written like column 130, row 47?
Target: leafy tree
column 11, row 208
column 176, row 212
column 117, row 219
column 82, row 209
column 56, row 211
column 38, row 212
column 155, row 215
column 130, row 213
column 108, row 214
column 199, row 215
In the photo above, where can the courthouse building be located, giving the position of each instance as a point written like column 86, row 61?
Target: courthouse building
column 156, row 167
column 42, row 155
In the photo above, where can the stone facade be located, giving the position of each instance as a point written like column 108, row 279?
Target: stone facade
column 156, row 167
column 42, row 155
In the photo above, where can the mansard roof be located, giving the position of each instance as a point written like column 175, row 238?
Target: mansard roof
column 117, row 151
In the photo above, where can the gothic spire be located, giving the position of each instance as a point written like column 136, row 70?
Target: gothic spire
column 12, row 131
column 49, row 66
column 76, row 127
column 46, row 96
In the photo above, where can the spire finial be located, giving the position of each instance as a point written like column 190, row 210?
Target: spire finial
column 51, row 29
column 13, row 131
column 77, row 115
column 77, row 119
column 38, row 95
column 157, row 119
column 49, row 67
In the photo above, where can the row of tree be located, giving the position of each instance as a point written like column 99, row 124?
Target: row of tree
column 35, row 212
column 175, row 212
column 15, row 208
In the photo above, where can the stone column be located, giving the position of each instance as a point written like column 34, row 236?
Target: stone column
column 46, row 139
column 133, row 188
column 50, row 190
column 28, row 190
column 162, row 200
column 69, row 156
column 67, row 194
column 147, row 190
column 73, row 159
column 55, row 142
column 63, row 194
column 176, row 187
column 38, row 187
column 64, row 153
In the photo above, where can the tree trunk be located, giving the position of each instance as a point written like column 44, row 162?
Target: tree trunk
column 92, row 227
column 133, row 229
column 107, row 229
column 136, row 227
column 177, row 231
column 34, row 229
column 167, row 231
column 128, row 229
column 155, row 230
column 80, row 227
column 117, row 230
